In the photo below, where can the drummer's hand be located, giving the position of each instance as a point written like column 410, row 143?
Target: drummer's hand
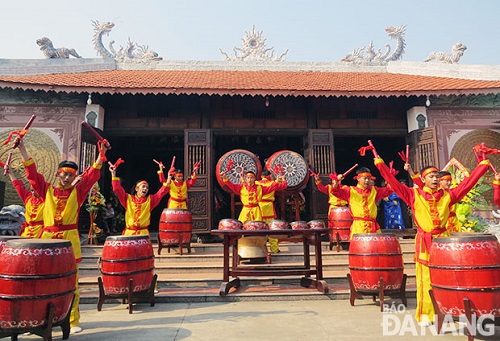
column 340, row 177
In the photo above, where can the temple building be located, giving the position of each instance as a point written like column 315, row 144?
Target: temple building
column 154, row 109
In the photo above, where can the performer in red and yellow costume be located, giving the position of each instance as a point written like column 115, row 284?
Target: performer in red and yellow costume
column 333, row 201
column 138, row 205
column 361, row 200
column 251, row 194
column 178, row 186
column 33, row 204
column 266, row 205
column 431, row 208
column 62, row 206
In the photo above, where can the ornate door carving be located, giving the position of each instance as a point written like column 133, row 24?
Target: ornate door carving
column 199, row 148
column 423, row 148
column 320, row 156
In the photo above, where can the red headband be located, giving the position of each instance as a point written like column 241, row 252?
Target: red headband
column 445, row 177
column 67, row 170
column 363, row 174
column 142, row 182
column 429, row 170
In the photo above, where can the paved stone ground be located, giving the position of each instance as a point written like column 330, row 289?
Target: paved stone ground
column 255, row 320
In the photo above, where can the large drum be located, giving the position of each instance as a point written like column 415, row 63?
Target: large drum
column 176, row 226
column 124, row 258
column 33, row 274
column 340, row 221
column 373, row 256
column 466, row 265
column 294, row 168
column 235, row 163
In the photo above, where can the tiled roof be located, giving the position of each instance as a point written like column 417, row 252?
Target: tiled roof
column 251, row 82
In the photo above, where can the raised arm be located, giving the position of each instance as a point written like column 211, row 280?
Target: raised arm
column 465, row 186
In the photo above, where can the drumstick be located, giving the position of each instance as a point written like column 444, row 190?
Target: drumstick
column 26, row 127
column 373, row 149
column 349, row 170
column 7, row 164
column 493, row 168
column 407, row 152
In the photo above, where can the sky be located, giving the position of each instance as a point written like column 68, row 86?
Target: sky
column 312, row 30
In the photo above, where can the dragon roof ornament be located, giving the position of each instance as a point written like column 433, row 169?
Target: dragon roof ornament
column 254, row 49
column 457, row 51
column 131, row 53
column 368, row 56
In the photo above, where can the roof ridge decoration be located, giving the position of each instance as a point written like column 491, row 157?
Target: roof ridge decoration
column 50, row 51
column 457, row 51
column 367, row 55
column 254, row 49
column 131, row 53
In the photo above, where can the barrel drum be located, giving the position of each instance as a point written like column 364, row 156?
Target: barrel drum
column 466, row 265
column 230, row 224
column 299, row 225
column 35, row 273
column 278, row 224
column 340, row 221
column 125, row 258
column 253, row 246
column 373, row 257
column 176, row 226
column 316, row 224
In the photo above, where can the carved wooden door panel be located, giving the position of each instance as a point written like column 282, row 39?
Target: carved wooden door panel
column 198, row 144
column 423, row 148
column 320, row 156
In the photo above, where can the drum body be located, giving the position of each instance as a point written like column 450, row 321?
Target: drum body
column 293, row 166
column 253, row 246
column 176, row 226
column 299, row 225
column 254, row 225
column 124, row 258
column 33, row 274
column 466, row 265
column 373, row 256
column 235, row 163
column 230, row 224
column 277, row 224
column 340, row 221
column 316, row 224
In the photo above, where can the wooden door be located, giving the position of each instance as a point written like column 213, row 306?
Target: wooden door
column 423, row 148
column 198, row 144
column 320, row 156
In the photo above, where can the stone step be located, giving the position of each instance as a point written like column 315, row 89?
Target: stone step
column 197, row 276
column 202, row 258
column 217, row 266
column 255, row 289
column 407, row 245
